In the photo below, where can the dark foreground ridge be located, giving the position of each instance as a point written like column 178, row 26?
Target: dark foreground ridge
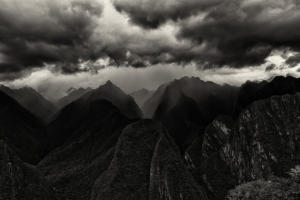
column 146, row 165
column 19, row 180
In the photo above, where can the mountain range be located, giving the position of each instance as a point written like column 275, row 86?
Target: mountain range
column 141, row 96
column 199, row 140
column 32, row 101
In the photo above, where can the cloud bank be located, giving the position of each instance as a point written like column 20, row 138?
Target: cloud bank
column 75, row 36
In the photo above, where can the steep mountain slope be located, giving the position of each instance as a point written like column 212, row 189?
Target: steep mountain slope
column 32, row 101
column 150, row 105
column 146, row 165
column 70, row 118
column 141, row 96
column 73, row 95
column 187, row 105
column 21, row 130
column 19, row 180
column 264, row 140
column 117, row 97
column 87, row 151
column 253, row 91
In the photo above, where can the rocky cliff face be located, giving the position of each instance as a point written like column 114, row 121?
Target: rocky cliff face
column 264, row 140
column 19, row 180
column 146, row 165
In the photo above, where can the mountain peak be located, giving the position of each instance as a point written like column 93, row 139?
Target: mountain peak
column 109, row 83
column 116, row 96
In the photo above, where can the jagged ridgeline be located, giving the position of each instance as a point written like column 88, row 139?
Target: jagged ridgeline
column 200, row 141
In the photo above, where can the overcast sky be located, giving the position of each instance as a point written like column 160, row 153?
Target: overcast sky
column 52, row 45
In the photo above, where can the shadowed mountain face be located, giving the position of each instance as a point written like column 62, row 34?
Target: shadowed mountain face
column 141, row 96
column 187, row 105
column 146, row 165
column 264, row 140
column 73, row 95
column 117, row 97
column 32, row 101
column 88, row 150
column 252, row 91
column 19, row 180
column 21, row 130
column 151, row 104
column 71, row 117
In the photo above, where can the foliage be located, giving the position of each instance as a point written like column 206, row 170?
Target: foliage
column 295, row 174
column 275, row 189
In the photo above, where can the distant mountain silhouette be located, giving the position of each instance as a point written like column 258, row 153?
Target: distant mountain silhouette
column 69, row 119
column 32, row 101
column 116, row 96
column 21, row 130
column 73, row 95
column 19, row 180
column 141, row 96
column 252, row 91
column 151, row 104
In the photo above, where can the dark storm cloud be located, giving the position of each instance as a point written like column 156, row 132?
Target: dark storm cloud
column 293, row 61
column 270, row 67
column 34, row 33
column 210, row 33
column 232, row 32
column 151, row 14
